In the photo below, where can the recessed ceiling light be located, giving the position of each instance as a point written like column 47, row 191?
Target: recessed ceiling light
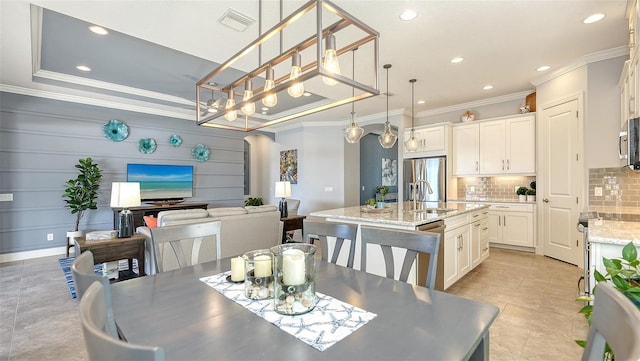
column 543, row 68
column 306, row 94
column 98, row 30
column 593, row 18
column 488, row 87
column 421, row 101
column 457, row 60
column 83, row 68
column 408, row 14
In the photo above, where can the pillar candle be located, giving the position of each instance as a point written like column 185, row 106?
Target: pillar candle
column 293, row 269
column 237, row 269
column 262, row 266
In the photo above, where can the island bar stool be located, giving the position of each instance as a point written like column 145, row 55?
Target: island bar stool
column 412, row 241
column 615, row 321
column 320, row 230
column 101, row 345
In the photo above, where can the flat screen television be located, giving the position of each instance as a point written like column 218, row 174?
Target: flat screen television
column 162, row 183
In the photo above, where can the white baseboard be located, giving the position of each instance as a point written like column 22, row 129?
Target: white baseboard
column 19, row 256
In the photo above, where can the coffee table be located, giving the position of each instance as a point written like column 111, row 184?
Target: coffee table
column 107, row 250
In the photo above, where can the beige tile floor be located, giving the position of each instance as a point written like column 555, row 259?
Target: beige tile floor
column 538, row 315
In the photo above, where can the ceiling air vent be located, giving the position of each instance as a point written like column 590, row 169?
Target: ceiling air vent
column 235, row 20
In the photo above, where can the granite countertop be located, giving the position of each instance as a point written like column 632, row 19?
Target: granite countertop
column 614, row 232
column 400, row 214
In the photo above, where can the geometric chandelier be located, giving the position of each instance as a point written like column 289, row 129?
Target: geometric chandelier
column 302, row 74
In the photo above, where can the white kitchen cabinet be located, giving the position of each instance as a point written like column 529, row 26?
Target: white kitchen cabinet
column 466, row 147
column 462, row 244
column 479, row 238
column 511, row 224
column 433, row 140
column 507, row 146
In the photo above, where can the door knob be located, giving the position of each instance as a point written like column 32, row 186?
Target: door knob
column 545, row 200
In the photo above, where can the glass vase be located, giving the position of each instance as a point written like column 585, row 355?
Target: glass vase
column 294, row 266
column 258, row 279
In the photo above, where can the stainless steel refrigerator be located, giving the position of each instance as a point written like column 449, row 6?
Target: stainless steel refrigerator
column 424, row 174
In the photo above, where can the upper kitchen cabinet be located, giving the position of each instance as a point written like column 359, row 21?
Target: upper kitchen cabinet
column 434, row 140
column 629, row 79
column 496, row 147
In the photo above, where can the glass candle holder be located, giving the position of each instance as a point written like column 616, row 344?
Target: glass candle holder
column 294, row 266
column 258, row 279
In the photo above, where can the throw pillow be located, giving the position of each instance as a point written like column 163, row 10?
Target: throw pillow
column 151, row 221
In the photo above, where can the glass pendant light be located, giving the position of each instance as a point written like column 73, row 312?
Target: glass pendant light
column 353, row 132
column 297, row 88
column 248, row 108
column 412, row 144
column 330, row 60
column 387, row 139
column 230, row 115
column 271, row 99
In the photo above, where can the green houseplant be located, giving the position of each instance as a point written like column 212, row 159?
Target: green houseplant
column 522, row 193
column 624, row 274
column 531, row 195
column 381, row 191
column 81, row 192
column 253, row 201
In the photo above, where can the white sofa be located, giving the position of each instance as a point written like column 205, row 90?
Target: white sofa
column 242, row 228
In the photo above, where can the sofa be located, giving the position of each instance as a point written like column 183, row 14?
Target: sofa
column 242, row 228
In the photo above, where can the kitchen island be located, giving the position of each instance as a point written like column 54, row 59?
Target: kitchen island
column 464, row 243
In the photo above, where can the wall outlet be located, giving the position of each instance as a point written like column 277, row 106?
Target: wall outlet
column 328, row 189
column 597, row 191
column 49, row 236
column 6, row 197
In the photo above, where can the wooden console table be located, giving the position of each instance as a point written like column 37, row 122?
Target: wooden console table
column 151, row 210
column 107, row 250
column 291, row 223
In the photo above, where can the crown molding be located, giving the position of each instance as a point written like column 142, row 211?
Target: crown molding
column 477, row 103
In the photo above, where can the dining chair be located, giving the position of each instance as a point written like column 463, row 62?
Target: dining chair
column 320, row 230
column 183, row 245
column 615, row 321
column 84, row 275
column 412, row 241
column 102, row 345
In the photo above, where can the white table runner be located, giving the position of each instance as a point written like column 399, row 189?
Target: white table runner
column 329, row 322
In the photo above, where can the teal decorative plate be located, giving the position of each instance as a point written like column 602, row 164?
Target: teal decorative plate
column 175, row 140
column 115, row 130
column 147, row 145
column 200, row 153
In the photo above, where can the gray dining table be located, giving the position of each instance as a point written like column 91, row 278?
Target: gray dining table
column 192, row 321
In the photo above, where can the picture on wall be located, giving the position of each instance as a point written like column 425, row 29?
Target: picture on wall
column 389, row 172
column 289, row 166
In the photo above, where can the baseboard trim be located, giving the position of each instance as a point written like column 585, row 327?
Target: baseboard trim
column 512, row 247
column 20, row 256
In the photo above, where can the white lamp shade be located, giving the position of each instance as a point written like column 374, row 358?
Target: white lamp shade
column 283, row 189
column 125, row 194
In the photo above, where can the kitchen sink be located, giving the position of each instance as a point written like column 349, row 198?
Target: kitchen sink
column 431, row 210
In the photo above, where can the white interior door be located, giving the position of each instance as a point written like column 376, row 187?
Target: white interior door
column 561, row 182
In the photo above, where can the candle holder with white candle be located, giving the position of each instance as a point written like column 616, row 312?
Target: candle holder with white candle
column 258, row 281
column 294, row 266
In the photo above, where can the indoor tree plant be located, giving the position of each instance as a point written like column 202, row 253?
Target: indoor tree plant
column 81, row 192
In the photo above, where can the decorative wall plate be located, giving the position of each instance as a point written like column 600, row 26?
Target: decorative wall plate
column 200, row 153
column 175, row 140
column 147, row 145
column 115, row 130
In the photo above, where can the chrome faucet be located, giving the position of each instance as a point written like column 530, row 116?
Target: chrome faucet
column 415, row 190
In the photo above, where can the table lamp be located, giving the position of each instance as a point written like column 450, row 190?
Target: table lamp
column 125, row 195
column 283, row 190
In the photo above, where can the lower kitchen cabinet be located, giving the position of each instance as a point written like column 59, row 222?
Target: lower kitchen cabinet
column 479, row 238
column 462, row 242
column 511, row 224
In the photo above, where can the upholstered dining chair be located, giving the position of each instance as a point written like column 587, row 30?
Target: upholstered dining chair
column 292, row 206
column 183, row 245
column 84, row 275
column 101, row 345
column 412, row 241
column 320, row 230
column 615, row 320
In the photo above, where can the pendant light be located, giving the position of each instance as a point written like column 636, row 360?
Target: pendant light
column 387, row 139
column 230, row 115
column 353, row 132
column 211, row 104
column 296, row 90
column 330, row 60
column 412, row 144
column 249, row 108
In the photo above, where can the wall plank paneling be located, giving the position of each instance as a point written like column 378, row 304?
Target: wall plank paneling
column 41, row 140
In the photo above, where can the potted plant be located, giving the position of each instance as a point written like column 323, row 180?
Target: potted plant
column 253, row 201
column 522, row 193
column 531, row 195
column 81, row 192
column 624, row 275
column 381, row 191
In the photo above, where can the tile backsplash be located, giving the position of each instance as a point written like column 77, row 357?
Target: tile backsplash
column 620, row 187
column 491, row 188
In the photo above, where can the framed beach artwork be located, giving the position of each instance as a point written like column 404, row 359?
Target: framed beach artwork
column 289, row 166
